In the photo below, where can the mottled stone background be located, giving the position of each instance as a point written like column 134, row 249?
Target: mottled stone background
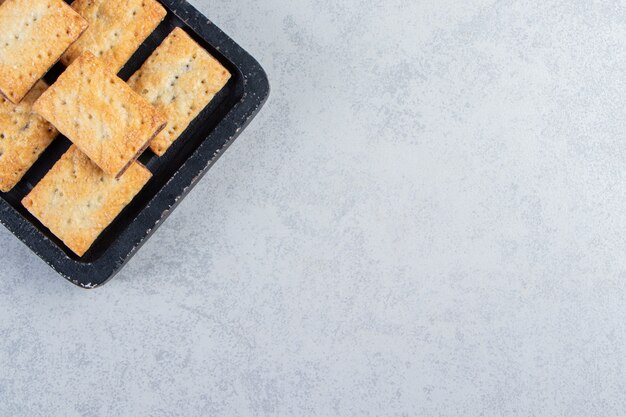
column 427, row 219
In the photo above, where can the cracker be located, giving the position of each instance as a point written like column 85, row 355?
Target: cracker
column 76, row 200
column 24, row 135
column 116, row 29
column 180, row 78
column 100, row 114
column 34, row 35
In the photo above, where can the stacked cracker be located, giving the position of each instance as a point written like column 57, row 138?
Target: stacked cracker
column 109, row 122
column 34, row 34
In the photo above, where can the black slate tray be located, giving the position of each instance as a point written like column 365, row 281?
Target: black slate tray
column 174, row 174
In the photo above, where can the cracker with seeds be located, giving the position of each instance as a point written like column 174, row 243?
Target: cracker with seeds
column 116, row 29
column 100, row 114
column 180, row 78
column 76, row 200
column 24, row 135
column 33, row 36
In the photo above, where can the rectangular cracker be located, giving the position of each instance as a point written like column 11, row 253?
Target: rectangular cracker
column 33, row 36
column 180, row 78
column 24, row 135
column 100, row 114
column 116, row 29
column 77, row 201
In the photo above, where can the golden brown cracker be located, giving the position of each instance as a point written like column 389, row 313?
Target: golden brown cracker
column 100, row 114
column 33, row 36
column 76, row 200
column 180, row 78
column 24, row 135
column 116, row 29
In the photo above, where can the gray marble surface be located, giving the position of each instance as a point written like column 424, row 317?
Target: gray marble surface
column 427, row 219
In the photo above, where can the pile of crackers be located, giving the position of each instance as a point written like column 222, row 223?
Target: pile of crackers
column 110, row 122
